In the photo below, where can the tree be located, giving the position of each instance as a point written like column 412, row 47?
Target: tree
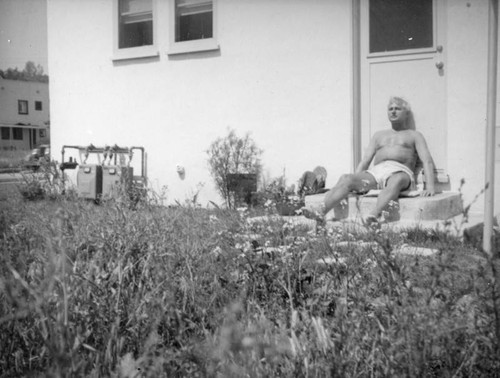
column 31, row 72
column 229, row 155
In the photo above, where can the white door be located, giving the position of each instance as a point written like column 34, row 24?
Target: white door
column 403, row 54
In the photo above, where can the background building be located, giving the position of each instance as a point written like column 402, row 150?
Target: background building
column 24, row 114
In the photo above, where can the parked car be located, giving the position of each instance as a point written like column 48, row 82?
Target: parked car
column 37, row 157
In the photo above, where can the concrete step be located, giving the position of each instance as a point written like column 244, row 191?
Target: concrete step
column 442, row 206
column 458, row 225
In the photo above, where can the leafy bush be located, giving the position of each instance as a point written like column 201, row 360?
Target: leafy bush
column 275, row 195
column 230, row 155
column 44, row 183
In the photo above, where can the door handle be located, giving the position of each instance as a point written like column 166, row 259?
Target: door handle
column 439, row 65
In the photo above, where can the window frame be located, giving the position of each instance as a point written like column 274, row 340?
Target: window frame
column 5, row 132
column 38, row 105
column 16, row 130
column 148, row 51
column 20, row 107
column 198, row 45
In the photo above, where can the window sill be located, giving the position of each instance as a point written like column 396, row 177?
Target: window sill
column 135, row 53
column 193, row 46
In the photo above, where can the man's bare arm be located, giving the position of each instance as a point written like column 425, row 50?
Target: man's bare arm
column 428, row 163
column 368, row 155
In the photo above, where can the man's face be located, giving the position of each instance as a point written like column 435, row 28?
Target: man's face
column 396, row 113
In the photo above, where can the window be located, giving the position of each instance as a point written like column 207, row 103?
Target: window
column 38, row 105
column 400, row 25
column 22, row 106
column 193, row 26
column 17, row 133
column 134, row 24
column 5, row 133
column 193, row 20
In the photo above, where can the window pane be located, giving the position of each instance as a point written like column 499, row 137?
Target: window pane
column 400, row 25
column 136, row 23
column 5, row 133
column 38, row 105
column 22, row 107
column 194, row 20
column 17, row 133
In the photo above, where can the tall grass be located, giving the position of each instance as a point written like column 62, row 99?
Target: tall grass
column 108, row 290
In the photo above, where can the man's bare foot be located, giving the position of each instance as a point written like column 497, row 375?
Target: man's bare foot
column 314, row 215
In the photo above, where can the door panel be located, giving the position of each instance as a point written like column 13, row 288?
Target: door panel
column 417, row 74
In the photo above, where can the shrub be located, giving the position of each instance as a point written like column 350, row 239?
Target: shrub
column 229, row 155
column 43, row 183
column 276, row 195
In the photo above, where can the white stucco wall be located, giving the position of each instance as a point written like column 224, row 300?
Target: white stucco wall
column 282, row 73
column 467, row 80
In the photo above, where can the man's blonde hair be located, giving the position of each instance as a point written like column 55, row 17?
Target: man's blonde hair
column 399, row 101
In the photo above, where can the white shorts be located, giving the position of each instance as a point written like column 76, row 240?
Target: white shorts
column 383, row 171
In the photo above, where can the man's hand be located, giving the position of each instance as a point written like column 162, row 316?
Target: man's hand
column 427, row 193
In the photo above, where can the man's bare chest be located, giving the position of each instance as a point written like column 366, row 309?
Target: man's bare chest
column 396, row 139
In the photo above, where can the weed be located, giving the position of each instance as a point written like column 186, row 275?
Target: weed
column 44, row 183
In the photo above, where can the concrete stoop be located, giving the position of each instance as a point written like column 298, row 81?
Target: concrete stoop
column 442, row 212
column 442, row 206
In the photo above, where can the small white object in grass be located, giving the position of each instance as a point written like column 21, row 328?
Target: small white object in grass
column 361, row 244
column 406, row 249
column 331, row 260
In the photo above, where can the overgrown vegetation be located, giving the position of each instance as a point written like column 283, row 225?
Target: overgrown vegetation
column 44, row 182
column 108, row 290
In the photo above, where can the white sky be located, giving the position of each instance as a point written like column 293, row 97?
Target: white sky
column 23, row 33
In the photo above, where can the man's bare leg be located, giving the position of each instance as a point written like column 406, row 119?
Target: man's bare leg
column 395, row 185
column 356, row 182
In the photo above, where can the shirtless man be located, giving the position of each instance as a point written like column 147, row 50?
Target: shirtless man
column 394, row 153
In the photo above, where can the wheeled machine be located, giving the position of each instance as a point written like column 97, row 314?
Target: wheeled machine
column 109, row 170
